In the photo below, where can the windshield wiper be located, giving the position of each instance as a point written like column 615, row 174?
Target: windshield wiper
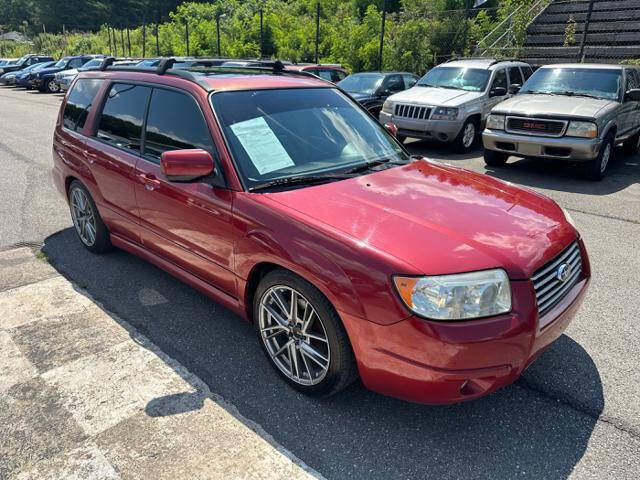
column 425, row 85
column 301, row 180
column 373, row 163
column 574, row 94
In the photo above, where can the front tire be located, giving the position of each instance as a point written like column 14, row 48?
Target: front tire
column 51, row 87
column 495, row 159
column 90, row 229
column 302, row 335
column 597, row 167
column 467, row 137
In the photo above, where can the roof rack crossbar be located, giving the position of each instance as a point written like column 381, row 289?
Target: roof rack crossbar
column 164, row 65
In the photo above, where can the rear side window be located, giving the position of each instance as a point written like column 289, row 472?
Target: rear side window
column 174, row 123
column 633, row 79
column 515, row 76
column 337, row 75
column 122, row 116
column 79, row 102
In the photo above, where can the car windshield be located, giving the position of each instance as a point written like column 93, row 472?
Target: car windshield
column 458, row 78
column 150, row 62
column 22, row 60
column 592, row 82
column 362, row 83
column 61, row 63
column 281, row 133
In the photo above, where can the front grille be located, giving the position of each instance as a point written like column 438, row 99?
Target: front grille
column 547, row 282
column 412, row 111
column 536, row 126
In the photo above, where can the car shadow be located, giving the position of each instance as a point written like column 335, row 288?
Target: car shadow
column 623, row 171
column 537, row 428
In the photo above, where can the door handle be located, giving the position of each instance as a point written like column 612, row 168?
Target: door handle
column 150, row 181
column 91, row 157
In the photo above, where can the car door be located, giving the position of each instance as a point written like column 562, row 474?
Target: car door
column 627, row 111
column 499, row 80
column 113, row 151
column 630, row 107
column 187, row 223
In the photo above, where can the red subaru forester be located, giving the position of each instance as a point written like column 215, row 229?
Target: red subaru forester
column 277, row 195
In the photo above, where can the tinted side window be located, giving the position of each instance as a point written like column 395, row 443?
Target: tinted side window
column 337, row 75
column 527, row 72
column 121, row 120
column 79, row 102
column 409, row 80
column 633, row 79
column 515, row 76
column 500, row 79
column 174, row 123
column 394, row 83
column 75, row 63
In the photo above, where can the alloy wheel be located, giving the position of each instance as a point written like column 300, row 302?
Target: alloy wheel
column 294, row 335
column 469, row 135
column 53, row 86
column 83, row 216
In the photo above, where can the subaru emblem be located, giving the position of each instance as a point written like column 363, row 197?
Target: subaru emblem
column 564, row 272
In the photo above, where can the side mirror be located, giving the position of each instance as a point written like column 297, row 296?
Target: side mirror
column 186, row 165
column 633, row 95
column 498, row 92
column 391, row 128
column 514, row 88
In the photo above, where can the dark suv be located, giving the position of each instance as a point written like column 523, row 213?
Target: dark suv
column 44, row 80
column 24, row 62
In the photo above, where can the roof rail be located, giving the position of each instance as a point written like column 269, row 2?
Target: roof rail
column 107, row 61
column 455, row 59
column 505, row 60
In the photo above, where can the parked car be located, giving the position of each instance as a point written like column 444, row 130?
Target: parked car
column 24, row 62
column 451, row 102
column 44, row 80
column 10, row 77
column 572, row 112
column 5, row 61
column 282, row 199
column 330, row 72
column 371, row 89
column 22, row 78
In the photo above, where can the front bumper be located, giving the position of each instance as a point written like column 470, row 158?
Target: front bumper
column 436, row 362
column 561, row 148
column 442, row 130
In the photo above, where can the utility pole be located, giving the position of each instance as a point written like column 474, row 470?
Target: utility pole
column 384, row 13
column 261, row 35
column 317, row 28
column 584, row 32
column 218, row 17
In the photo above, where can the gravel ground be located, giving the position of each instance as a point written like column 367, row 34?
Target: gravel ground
column 575, row 413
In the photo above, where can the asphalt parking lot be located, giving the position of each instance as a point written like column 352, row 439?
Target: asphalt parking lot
column 575, row 412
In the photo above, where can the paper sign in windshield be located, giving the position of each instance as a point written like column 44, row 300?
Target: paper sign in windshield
column 263, row 147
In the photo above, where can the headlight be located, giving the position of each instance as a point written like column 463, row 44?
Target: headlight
column 457, row 297
column 495, row 122
column 569, row 218
column 444, row 113
column 387, row 106
column 582, row 129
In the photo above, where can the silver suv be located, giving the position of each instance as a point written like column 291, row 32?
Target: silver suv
column 572, row 112
column 452, row 101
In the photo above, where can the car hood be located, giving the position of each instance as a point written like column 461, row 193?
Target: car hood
column 553, row 105
column 439, row 219
column 47, row 71
column 64, row 73
column 435, row 96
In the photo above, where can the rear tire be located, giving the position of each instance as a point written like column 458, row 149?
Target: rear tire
column 632, row 145
column 277, row 326
column 597, row 168
column 467, row 137
column 495, row 159
column 90, row 229
column 51, row 87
